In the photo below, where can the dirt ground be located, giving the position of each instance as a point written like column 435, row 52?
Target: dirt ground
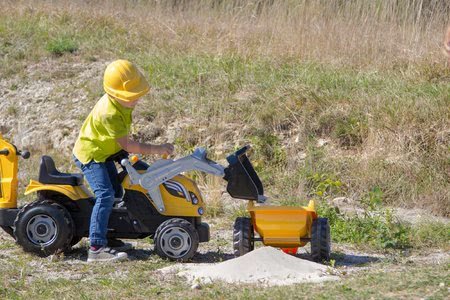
column 346, row 259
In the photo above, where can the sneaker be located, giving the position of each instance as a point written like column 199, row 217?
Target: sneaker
column 105, row 254
column 118, row 245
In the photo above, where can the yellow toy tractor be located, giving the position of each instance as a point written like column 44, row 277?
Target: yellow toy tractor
column 158, row 202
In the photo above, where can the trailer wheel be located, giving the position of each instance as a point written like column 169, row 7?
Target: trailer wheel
column 243, row 236
column 176, row 239
column 320, row 240
column 44, row 228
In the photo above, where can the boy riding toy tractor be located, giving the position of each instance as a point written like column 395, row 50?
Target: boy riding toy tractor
column 158, row 202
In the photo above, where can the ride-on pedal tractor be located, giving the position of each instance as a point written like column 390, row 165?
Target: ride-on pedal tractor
column 158, row 202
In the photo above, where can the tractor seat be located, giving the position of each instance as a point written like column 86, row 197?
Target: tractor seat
column 48, row 174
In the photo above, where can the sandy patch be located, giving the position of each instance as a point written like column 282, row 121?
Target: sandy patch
column 266, row 266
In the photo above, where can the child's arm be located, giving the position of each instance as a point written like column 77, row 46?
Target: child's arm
column 142, row 148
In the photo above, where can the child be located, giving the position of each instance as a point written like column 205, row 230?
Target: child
column 104, row 133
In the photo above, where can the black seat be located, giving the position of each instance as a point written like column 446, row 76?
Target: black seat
column 48, row 174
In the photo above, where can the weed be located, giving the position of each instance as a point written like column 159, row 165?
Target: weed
column 185, row 143
column 377, row 228
column 430, row 234
column 149, row 115
column 323, row 185
column 351, row 131
column 240, row 211
column 12, row 110
column 61, row 45
column 268, row 150
column 376, row 225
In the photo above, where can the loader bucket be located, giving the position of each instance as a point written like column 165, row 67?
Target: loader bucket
column 243, row 182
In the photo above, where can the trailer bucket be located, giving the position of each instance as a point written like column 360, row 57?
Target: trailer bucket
column 283, row 226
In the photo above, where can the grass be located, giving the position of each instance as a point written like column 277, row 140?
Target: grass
column 61, row 45
column 338, row 99
column 380, row 229
column 30, row 277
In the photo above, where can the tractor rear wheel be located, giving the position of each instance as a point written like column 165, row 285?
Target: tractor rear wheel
column 44, row 228
column 243, row 236
column 176, row 239
column 320, row 240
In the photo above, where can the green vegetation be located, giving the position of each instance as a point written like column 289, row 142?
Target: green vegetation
column 338, row 99
column 12, row 111
column 374, row 225
column 61, row 45
column 375, row 228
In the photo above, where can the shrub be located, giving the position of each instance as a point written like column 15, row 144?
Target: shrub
column 323, row 185
column 61, row 45
column 377, row 228
column 351, row 131
column 431, row 234
column 268, row 149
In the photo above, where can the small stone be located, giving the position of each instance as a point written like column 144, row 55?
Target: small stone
column 302, row 155
column 54, row 258
column 441, row 284
column 322, row 142
column 196, row 286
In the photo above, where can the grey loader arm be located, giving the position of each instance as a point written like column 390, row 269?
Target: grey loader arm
column 165, row 169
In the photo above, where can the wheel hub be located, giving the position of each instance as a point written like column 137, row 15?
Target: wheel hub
column 42, row 230
column 176, row 242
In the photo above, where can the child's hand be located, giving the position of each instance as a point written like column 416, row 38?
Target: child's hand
column 165, row 149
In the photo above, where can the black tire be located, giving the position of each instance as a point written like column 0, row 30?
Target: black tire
column 44, row 228
column 320, row 240
column 8, row 229
column 176, row 239
column 243, row 236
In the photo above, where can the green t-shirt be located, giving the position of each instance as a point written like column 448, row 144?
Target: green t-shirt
column 107, row 121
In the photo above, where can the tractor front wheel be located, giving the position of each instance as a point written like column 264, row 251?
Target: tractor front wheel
column 176, row 239
column 243, row 236
column 320, row 240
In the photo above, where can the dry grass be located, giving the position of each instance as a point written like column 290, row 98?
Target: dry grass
column 367, row 77
column 350, row 33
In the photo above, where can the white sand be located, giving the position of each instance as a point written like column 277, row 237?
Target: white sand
column 266, row 265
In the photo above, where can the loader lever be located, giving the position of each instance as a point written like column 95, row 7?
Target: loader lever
column 24, row 153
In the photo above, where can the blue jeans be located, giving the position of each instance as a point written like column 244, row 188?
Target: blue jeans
column 102, row 178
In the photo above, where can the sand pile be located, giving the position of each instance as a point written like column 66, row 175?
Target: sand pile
column 266, row 265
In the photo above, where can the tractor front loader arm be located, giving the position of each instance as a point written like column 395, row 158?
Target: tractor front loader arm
column 165, row 169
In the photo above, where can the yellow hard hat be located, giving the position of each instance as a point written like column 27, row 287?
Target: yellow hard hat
column 124, row 81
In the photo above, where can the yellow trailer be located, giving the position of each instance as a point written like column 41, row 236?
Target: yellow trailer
column 285, row 227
